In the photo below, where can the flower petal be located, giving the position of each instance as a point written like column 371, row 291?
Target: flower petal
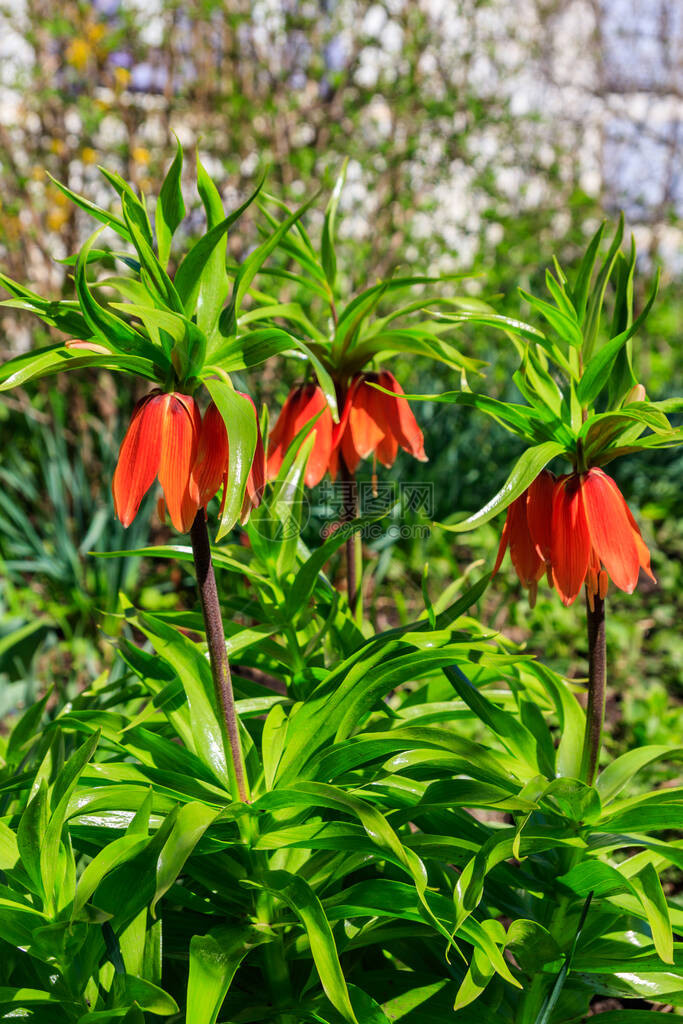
column 365, row 415
column 611, row 530
column 302, row 405
column 570, row 546
column 387, row 450
column 180, row 439
column 525, row 558
column 212, row 455
column 539, row 508
column 399, row 419
column 139, row 458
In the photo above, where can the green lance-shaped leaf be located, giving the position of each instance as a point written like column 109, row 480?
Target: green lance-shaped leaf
column 111, row 330
column 303, row 584
column 479, row 974
column 30, row 832
column 9, row 848
column 110, row 220
column 595, row 301
column 62, row 790
column 170, row 208
column 214, row 283
column 514, row 736
column 195, row 675
column 117, row 852
column 62, row 313
column 214, row 959
column 580, row 291
column 565, row 325
column 526, row 469
column 56, row 358
column 190, row 825
column 329, row 259
column 653, row 901
column 152, row 272
column 285, row 510
column 136, row 208
column 593, row 876
column 273, row 742
column 251, row 266
column 545, row 1014
column 26, row 728
column 598, row 370
column 201, row 275
column 240, row 424
column 300, row 897
column 519, row 419
column 619, row 772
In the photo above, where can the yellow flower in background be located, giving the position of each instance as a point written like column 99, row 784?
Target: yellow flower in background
column 56, row 219
column 88, row 155
column 121, row 77
column 58, row 147
column 78, row 53
column 95, row 31
column 140, row 155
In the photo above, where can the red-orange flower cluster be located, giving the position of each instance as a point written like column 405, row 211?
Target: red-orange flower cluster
column 168, row 439
column 580, row 530
column 370, row 422
column 373, row 421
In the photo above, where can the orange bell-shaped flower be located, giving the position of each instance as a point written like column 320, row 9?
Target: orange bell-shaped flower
column 594, row 537
column 212, row 462
column 302, row 405
column 162, row 442
column 373, row 421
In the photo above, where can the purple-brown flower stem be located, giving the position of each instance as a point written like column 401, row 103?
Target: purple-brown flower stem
column 354, row 551
column 595, row 709
column 218, row 655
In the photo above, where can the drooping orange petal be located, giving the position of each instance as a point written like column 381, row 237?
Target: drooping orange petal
column 399, row 419
column 525, row 558
column 539, row 506
column 281, row 435
column 387, row 450
column 643, row 550
column 212, row 455
column 570, row 546
column 611, row 532
column 180, row 438
column 139, row 458
column 302, row 405
column 364, row 426
column 349, row 454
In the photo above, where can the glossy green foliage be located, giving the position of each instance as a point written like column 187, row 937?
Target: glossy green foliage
column 418, row 843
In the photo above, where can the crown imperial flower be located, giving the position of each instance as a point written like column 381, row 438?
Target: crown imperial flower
column 594, row 537
column 578, row 528
column 373, row 421
column 161, row 441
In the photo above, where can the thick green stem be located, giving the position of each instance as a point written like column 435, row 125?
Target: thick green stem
column 354, row 551
column 595, row 709
column 218, row 655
